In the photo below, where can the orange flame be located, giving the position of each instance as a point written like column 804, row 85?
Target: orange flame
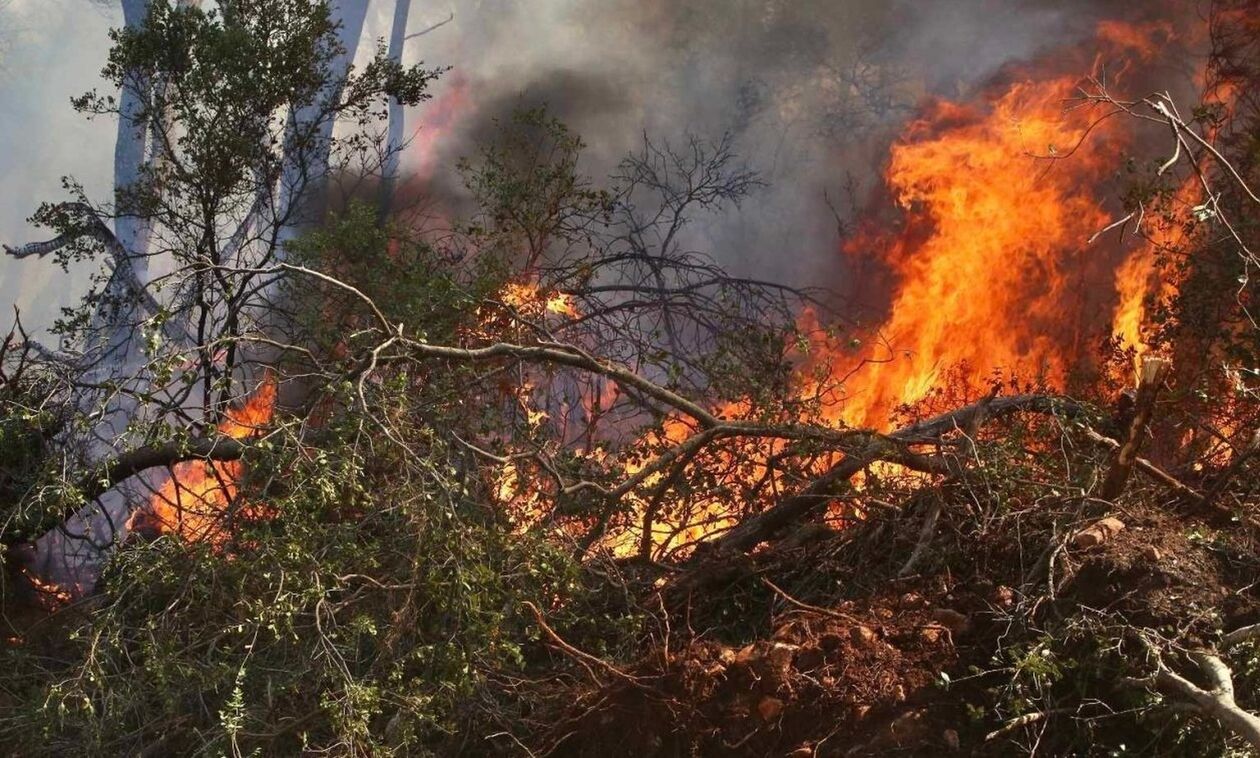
column 531, row 300
column 995, row 233
column 198, row 496
column 993, row 265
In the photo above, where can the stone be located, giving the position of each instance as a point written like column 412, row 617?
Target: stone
column 746, row 655
column 911, row 600
column 1097, row 533
column 862, row 636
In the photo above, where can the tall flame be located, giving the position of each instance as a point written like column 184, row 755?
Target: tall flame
column 994, row 238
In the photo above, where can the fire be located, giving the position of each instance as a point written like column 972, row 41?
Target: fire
column 530, row 300
column 1143, row 39
column 993, row 242
column 441, row 116
column 48, row 596
column 1000, row 198
column 997, row 267
column 1139, row 277
column 196, row 498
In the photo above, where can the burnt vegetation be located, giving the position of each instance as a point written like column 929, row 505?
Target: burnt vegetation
column 317, row 469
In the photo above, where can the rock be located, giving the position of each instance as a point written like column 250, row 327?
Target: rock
column 950, row 738
column 780, row 654
column 769, row 661
column 907, row 730
column 862, row 636
column 1098, row 532
column 769, row 708
column 952, row 620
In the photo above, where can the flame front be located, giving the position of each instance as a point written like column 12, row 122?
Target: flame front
column 993, row 261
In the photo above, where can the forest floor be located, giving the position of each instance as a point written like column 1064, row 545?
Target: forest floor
column 1017, row 637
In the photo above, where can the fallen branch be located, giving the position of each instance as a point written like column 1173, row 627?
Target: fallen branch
column 1240, row 635
column 586, row 659
column 127, row 465
column 925, row 536
column 1019, row 721
column 1217, row 702
column 806, row 606
column 1150, row 469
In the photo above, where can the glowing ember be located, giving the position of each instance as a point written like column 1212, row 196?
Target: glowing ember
column 48, row 596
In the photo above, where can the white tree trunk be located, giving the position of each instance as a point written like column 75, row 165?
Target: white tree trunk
column 305, row 170
column 397, row 114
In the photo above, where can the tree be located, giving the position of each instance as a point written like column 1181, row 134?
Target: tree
column 226, row 142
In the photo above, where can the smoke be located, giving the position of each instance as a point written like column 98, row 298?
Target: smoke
column 812, row 90
column 52, row 50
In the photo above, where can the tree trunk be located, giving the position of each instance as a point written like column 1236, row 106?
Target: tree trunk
column 397, row 116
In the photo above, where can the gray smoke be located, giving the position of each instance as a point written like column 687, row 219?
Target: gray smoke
column 813, row 91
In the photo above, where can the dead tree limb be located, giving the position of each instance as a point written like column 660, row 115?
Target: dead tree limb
column 1150, row 469
column 117, row 470
column 1153, row 371
column 759, row 528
